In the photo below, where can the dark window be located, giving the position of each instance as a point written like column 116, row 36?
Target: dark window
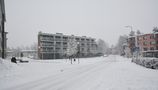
column 145, row 49
column 145, row 43
column 152, row 37
column 152, row 43
column 82, row 39
column 77, row 39
column 152, row 48
column 82, row 44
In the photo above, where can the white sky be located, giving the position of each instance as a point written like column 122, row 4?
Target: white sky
column 103, row 19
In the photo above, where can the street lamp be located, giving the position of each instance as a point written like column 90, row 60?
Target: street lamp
column 136, row 42
column 78, row 52
column 41, row 50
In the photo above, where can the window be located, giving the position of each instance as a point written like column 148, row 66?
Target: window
column 77, row 39
column 145, row 49
column 57, row 49
column 152, row 48
column 82, row 39
column 145, row 43
column 64, row 49
column 82, row 44
column 64, row 43
column 58, row 43
column 65, row 38
column 58, row 38
column 139, row 38
column 152, row 37
column 152, row 42
column 156, row 35
column 144, row 37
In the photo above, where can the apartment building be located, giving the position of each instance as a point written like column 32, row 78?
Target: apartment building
column 54, row 46
column 146, row 43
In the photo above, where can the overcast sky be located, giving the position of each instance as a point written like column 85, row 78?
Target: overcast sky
column 105, row 19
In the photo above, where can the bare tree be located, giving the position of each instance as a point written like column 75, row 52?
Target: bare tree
column 122, row 41
column 155, row 29
column 138, row 32
column 34, row 46
column 132, row 33
column 71, row 48
column 102, row 47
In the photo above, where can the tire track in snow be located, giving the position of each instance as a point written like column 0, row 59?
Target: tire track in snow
column 59, row 80
column 77, row 78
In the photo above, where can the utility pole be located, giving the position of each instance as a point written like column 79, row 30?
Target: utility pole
column 3, row 33
column 136, row 41
column 3, row 37
column 78, row 52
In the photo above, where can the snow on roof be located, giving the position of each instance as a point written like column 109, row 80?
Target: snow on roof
column 142, row 34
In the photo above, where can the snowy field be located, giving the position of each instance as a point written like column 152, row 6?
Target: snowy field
column 99, row 73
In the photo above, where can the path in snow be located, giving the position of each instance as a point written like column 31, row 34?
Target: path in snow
column 112, row 73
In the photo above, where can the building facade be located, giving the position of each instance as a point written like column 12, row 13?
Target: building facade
column 144, row 43
column 131, row 44
column 3, row 38
column 148, row 44
column 54, row 46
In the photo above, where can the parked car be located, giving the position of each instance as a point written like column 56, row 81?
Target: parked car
column 147, row 62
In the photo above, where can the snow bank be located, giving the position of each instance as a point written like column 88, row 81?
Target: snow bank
column 97, row 73
column 146, row 62
column 6, row 66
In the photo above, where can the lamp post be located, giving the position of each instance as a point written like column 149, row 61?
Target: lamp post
column 136, row 42
column 78, row 52
column 41, row 50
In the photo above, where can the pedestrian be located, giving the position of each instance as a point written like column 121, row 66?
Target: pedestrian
column 13, row 60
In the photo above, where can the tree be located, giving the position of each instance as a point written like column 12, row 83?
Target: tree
column 132, row 33
column 102, row 47
column 18, row 50
column 138, row 32
column 155, row 29
column 122, row 42
column 71, row 48
column 34, row 46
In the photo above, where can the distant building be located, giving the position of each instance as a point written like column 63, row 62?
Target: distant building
column 29, row 53
column 145, row 43
column 3, row 38
column 126, row 50
column 148, row 43
column 22, row 53
column 54, row 46
column 131, row 44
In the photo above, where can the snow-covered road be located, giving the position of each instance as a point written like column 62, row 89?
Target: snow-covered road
column 102, row 73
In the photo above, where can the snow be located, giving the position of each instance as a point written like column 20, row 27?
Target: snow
column 98, row 73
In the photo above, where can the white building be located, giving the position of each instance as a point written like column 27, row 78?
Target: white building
column 54, row 46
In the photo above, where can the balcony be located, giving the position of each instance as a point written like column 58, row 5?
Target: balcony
column 57, row 40
column 65, row 45
column 58, row 45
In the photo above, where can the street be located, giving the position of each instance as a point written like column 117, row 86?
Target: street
column 102, row 73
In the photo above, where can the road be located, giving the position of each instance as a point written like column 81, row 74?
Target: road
column 108, row 74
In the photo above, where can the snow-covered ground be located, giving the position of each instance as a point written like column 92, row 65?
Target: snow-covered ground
column 99, row 73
